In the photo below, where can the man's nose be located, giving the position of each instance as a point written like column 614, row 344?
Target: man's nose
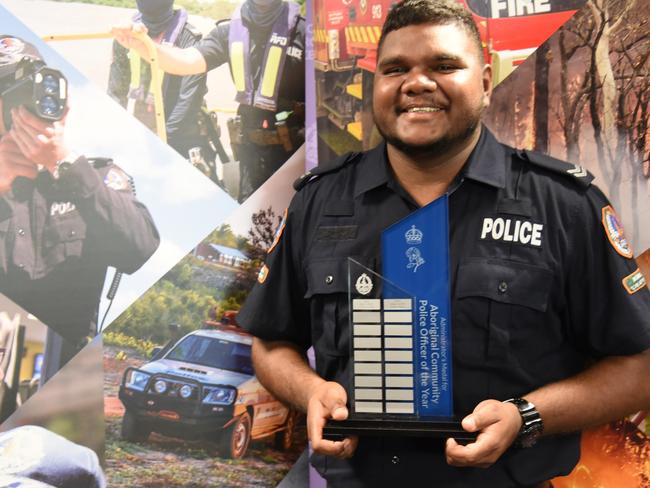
column 418, row 81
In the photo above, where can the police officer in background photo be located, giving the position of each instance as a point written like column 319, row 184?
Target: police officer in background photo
column 64, row 217
column 550, row 320
column 130, row 79
column 264, row 44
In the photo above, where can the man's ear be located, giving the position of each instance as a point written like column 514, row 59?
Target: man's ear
column 487, row 84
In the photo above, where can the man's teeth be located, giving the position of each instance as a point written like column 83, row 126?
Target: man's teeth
column 423, row 109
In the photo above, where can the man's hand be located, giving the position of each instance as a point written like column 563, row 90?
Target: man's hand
column 41, row 142
column 129, row 35
column 327, row 401
column 498, row 424
column 13, row 163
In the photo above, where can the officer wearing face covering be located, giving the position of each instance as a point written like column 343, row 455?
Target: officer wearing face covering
column 130, row 80
column 264, row 44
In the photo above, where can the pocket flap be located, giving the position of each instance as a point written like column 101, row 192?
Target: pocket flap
column 330, row 275
column 64, row 230
column 505, row 281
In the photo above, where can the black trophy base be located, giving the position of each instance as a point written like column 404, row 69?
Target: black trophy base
column 434, row 428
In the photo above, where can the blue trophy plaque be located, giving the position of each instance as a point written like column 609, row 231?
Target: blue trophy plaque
column 400, row 323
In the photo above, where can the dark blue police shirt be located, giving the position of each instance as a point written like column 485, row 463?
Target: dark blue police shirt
column 523, row 315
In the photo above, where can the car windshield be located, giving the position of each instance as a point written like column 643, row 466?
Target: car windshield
column 216, row 353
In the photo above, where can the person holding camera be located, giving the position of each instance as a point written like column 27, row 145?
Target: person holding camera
column 64, row 218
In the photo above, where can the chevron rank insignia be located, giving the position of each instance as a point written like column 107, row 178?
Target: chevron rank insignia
column 579, row 173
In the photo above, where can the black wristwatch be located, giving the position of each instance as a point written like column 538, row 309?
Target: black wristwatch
column 532, row 425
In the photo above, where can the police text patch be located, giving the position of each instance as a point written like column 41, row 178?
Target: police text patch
column 512, row 230
column 615, row 232
column 634, row 282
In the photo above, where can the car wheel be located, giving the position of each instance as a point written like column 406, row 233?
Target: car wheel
column 235, row 439
column 131, row 431
column 284, row 438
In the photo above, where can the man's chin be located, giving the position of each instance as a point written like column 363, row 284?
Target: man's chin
column 418, row 147
column 422, row 146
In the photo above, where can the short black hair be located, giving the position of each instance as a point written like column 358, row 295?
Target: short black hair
column 435, row 12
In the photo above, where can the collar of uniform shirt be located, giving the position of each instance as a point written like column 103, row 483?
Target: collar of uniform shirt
column 486, row 164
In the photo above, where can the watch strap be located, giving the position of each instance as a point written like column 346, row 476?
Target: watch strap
column 532, row 424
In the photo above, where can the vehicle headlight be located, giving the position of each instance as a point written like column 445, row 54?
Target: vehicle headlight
column 185, row 391
column 136, row 380
column 218, row 396
column 160, row 387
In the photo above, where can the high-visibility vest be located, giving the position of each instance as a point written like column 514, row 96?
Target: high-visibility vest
column 265, row 96
column 136, row 90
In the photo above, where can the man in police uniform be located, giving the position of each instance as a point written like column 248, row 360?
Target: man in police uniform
column 543, row 279
column 64, row 219
column 130, row 78
column 264, row 44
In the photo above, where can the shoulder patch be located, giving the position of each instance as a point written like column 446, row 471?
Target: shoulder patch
column 634, row 282
column 324, row 169
column 279, row 231
column 579, row 174
column 615, row 232
column 117, row 179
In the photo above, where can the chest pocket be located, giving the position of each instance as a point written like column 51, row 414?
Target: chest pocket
column 501, row 305
column 63, row 239
column 327, row 291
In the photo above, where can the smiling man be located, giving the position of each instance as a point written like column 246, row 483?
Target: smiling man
column 550, row 313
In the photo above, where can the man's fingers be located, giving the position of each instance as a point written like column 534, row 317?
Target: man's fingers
column 480, row 454
column 30, row 121
column 334, row 402
column 315, row 422
column 328, row 402
column 484, row 415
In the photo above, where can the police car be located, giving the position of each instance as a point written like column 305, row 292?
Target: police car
column 204, row 387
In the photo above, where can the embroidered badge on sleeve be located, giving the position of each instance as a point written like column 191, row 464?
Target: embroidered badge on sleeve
column 279, row 231
column 634, row 282
column 615, row 232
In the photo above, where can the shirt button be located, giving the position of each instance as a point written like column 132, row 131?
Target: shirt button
column 503, row 287
column 73, row 233
column 21, row 231
column 395, row 460
column 21, row 265
column 329, row 279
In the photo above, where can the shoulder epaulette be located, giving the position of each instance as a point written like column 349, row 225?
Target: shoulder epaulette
column 579, row 174
column 98, row 163
column 324, row 169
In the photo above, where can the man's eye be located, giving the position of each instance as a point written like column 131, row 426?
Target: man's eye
column 393, row 70
column 446, row 67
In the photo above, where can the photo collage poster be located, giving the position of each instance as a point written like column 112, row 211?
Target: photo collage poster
column 208, row 204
